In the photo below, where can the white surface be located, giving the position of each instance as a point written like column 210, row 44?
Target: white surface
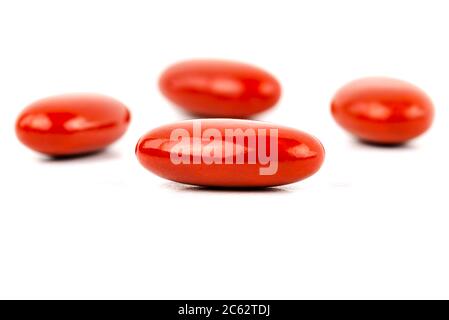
column 373, row 223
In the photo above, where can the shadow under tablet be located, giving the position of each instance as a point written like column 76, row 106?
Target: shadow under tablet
column 398, row 146
column 99, row 155
column 179, row 187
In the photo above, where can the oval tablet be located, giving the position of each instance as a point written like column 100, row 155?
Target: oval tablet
column 72, row 124
column 217, row 88
column 230, row 153
column 383, row 110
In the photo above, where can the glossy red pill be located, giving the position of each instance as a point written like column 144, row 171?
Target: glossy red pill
column 217, row 88
column 230, row 153
column 72, row 124
column 383, row 110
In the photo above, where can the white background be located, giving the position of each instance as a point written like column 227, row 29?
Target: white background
column 373, row 223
